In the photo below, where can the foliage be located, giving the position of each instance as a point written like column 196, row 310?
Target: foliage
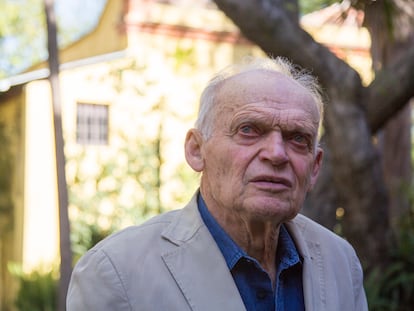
column 19, row 29
column 5, row 166
column 38, row 290
column 392, row 289
column 308, row 6
column 109, row 198
column 119, row 192
column 84, row 236
column 123, row 190
column 23, row 29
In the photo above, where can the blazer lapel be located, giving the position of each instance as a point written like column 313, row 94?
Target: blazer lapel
column 314, row 280
column 198, row 266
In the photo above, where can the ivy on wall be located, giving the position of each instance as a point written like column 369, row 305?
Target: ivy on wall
column 6, row 206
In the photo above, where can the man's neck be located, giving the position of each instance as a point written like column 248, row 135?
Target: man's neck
column 257, row 238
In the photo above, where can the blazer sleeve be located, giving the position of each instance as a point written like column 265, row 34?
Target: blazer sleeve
column 358, row 279
column 96, row 285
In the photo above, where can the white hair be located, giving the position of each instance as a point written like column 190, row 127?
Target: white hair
column 206, row 114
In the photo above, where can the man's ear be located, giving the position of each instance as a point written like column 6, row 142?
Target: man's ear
column 192, row 146
column 316, row 167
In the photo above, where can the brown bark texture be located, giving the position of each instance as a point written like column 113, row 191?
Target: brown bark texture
column 391, row 25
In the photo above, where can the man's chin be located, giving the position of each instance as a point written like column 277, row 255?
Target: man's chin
column 268, row 208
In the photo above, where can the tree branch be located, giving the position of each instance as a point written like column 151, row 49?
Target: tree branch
column 390, row 91
column 270, row 26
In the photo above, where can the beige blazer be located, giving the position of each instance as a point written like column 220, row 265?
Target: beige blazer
column 172, row 262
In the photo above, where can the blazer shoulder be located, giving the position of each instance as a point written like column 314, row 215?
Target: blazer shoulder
column 136, row 235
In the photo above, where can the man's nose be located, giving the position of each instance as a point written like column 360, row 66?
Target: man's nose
column 274, row 149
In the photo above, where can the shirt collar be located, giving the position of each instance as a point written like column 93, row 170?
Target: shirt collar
column 230, row 250
column 287, row 254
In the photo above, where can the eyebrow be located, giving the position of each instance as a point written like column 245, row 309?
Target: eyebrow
column 285, row 122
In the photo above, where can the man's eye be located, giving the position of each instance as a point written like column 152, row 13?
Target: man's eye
column 246, row 129
column 300, row 139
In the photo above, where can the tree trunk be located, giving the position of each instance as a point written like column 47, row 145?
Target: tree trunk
column 322, row 202
column 357, row 173
column 65, row 247
column 391, row 29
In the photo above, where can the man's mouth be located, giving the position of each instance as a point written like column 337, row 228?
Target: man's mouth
column 272, row 182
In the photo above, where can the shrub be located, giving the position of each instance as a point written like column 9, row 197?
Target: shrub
column 37, row 291
column 392, row 288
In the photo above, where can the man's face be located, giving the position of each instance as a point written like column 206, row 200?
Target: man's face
column 262, row 156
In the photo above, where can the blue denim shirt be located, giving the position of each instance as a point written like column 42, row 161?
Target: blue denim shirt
column 253, row 282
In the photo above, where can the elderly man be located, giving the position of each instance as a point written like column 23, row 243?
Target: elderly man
column 240, row 243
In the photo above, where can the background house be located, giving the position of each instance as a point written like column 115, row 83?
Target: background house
column 128, row 87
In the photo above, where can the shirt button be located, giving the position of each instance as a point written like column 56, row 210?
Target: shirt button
column 261, row 294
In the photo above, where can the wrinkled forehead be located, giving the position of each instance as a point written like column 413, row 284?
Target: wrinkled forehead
column 262, row 86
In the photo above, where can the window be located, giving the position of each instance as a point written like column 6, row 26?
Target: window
column 92, row 124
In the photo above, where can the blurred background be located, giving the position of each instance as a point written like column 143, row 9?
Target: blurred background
column 92, row 128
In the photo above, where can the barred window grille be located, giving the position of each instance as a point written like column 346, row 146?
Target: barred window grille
column 92, row 124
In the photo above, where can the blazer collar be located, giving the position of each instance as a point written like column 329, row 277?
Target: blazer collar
column 197, row 264
column 314, row 280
